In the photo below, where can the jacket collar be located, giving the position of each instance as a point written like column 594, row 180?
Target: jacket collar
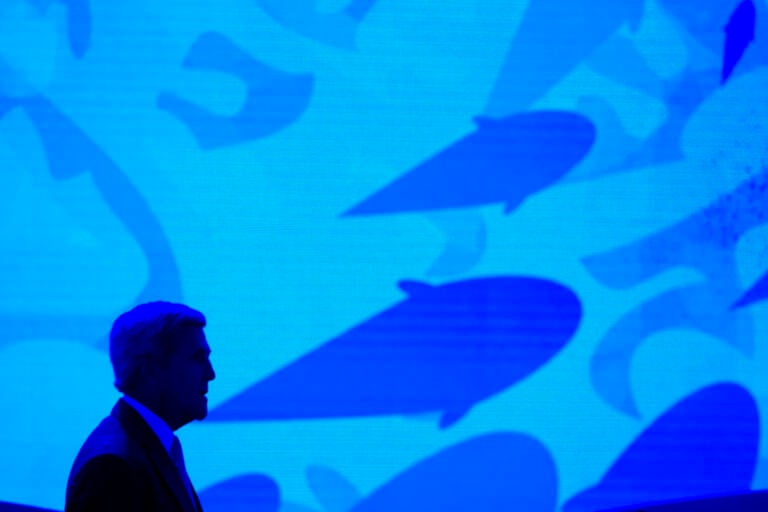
column 137, row 429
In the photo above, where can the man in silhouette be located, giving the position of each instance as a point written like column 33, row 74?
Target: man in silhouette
column 132, row 461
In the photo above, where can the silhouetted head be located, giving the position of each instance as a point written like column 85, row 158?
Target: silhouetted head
column 161, row 358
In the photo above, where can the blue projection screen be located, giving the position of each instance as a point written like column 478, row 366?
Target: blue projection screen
column 455, row 255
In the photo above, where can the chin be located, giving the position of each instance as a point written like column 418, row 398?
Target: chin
column 202, row 411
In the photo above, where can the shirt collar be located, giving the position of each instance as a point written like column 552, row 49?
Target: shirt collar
column 161, row 429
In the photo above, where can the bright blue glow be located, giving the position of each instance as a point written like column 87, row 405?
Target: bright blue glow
column 455, row 254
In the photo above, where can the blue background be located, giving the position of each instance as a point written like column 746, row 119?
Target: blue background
column 457, row 255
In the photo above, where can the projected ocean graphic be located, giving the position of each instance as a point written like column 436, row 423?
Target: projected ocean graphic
column 273, row 100
column 682, row 95
column 698, row 307
column 78, row 25
column 476, row 474
column 466, row 237
column 704, row 241
column 705, row 21
column 334, row 28
column 705, row 444
column 739, row 34
column 576, row 189
column 503, row 161
column 70, row 152
column 552, row 39
column 243, row 493
column 445, row 348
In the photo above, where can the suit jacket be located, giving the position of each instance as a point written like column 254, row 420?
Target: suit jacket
column 123, row 467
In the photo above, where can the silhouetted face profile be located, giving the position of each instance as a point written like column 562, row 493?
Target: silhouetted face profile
column 181, row 382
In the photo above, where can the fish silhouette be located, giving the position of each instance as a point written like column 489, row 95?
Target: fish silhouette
column 335, row 28
column 244, row 493
column 705, row 444
column 500, row 471
column 739, row 34
column 503, row 161
column 444, row 348
column 553, row 38
column 274, row 99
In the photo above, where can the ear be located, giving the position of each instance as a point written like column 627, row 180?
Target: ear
column 148, row 368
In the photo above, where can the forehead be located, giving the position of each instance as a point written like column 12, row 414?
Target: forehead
column 191, row 339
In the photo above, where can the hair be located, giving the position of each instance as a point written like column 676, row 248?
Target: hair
column 148, row 331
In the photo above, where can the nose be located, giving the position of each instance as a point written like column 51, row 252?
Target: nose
column 210, row 373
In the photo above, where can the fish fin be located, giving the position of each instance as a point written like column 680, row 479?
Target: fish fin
column 452, row 416
column 414, row 288
column 511, row 205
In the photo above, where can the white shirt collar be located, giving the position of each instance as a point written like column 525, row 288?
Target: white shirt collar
column 161, row 429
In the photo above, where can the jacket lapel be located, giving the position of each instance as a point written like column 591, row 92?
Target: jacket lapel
column 138, row 429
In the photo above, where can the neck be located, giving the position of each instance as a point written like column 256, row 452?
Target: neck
column 152, row 402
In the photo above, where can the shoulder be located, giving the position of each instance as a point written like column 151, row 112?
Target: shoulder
column 111, row 459
column 107, row 482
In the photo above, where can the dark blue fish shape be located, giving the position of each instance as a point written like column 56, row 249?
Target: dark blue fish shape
column 705, row 444
column 444, row 348
column 274, row 99
column 749, row 501
column 251, row 492
column 502, row 471
column 333, row 28
column 699, row 307
column 70, row 152
column 15, row 507
column 739, row 34
column 553, row 38
column 503, row 161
